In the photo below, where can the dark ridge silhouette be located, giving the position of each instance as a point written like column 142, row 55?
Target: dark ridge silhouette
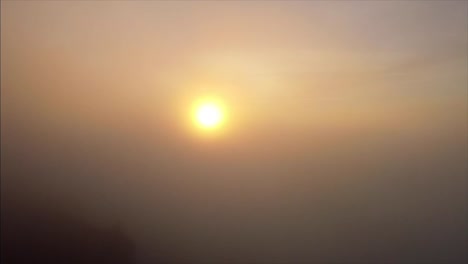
column 32, row 234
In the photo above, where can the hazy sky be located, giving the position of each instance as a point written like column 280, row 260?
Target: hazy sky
column 345, row 138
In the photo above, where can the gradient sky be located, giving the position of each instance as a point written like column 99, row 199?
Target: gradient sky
column 345, row 140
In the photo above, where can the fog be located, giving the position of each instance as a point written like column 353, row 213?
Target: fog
column 345, row 140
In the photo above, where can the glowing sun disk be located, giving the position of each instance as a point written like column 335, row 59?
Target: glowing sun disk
column 209, row 115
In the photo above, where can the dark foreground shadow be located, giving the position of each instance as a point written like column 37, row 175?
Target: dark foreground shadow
column 32, row 235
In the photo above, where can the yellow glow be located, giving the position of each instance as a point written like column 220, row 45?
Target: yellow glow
column 209, row 115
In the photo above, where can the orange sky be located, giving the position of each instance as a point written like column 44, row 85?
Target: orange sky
column 346, row 129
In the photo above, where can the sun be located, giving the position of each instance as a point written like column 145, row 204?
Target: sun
column 209, row 115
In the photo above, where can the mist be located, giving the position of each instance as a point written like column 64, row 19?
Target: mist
column 346, row 139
